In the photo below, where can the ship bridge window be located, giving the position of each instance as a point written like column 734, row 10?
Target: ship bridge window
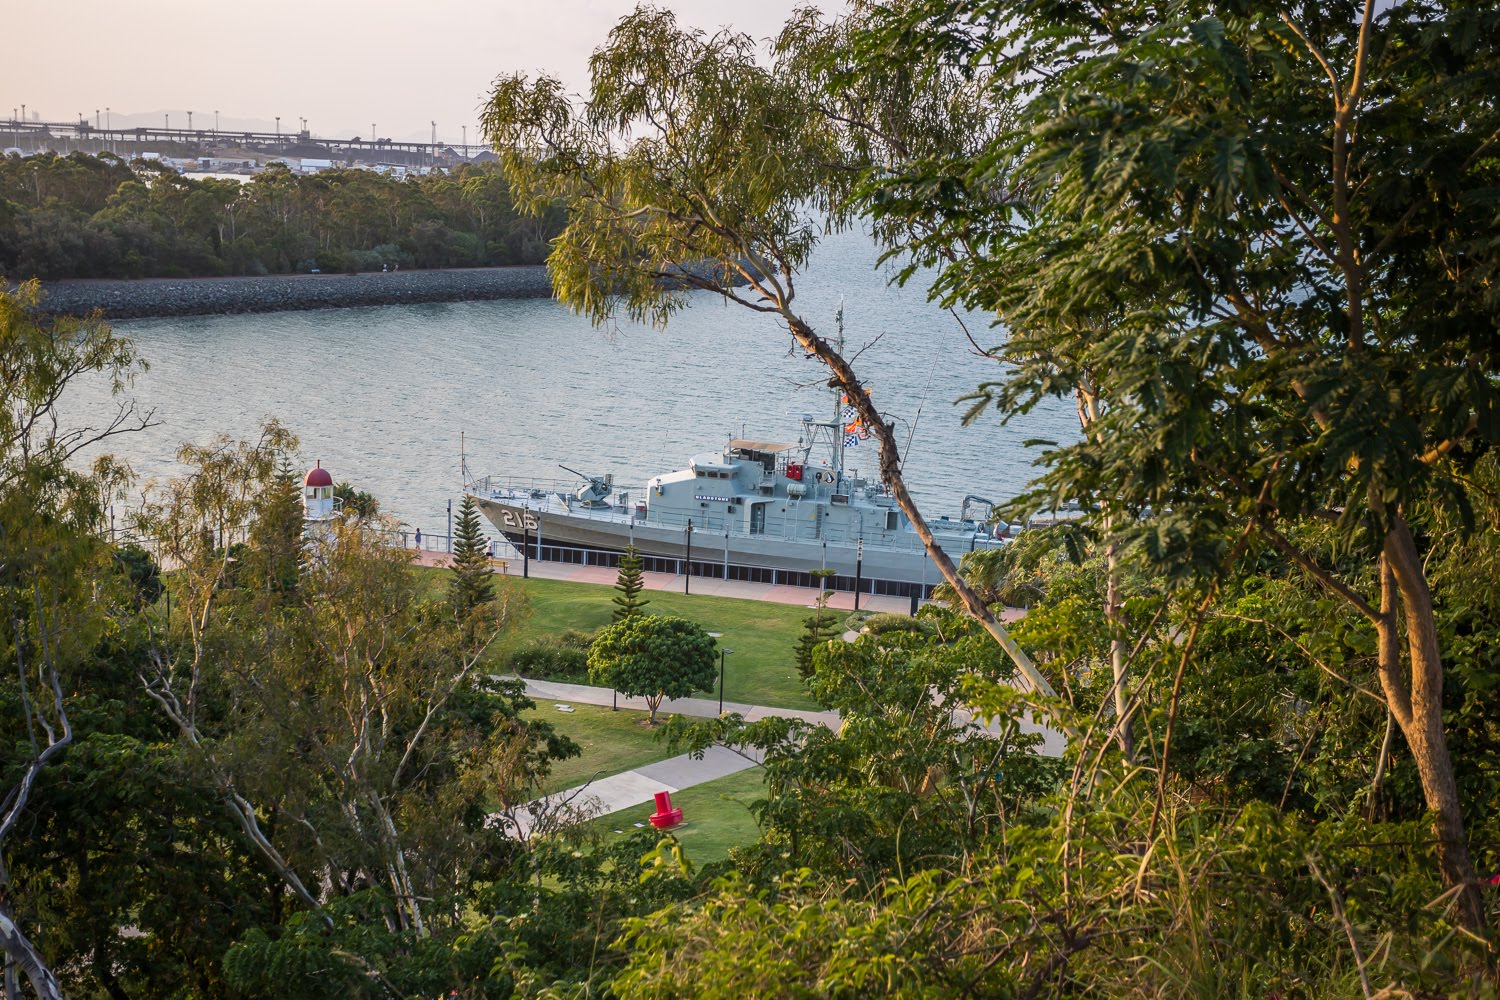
column 891, row 520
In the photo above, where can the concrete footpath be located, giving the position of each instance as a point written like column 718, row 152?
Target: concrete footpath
column 613, row 793
column 616, row 792
column 706, row 585
column 702, row 708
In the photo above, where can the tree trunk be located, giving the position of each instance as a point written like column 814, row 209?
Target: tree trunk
column 890, row 472
column 1114, row 620
column 24, row 954
column 1422, row 719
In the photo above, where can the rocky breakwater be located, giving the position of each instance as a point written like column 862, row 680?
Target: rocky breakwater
column 133, row 299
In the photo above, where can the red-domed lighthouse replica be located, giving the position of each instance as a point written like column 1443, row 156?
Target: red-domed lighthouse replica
column 317, row 501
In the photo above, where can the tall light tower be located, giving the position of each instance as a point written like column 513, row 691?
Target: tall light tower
column 433, row 163
column 190, row 121
column 216, row 123
column 278, row 128
column 166, row 118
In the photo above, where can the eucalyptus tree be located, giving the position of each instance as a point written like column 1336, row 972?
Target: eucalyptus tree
column 346, row 705
column 692, row 165
column 55, row 600
column 1267, row 230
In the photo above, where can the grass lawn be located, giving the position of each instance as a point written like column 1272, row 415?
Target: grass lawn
column 612, row 742
column 762, row 634
column 716, row 816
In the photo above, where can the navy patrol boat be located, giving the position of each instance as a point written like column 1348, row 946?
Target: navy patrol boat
column 761, row 511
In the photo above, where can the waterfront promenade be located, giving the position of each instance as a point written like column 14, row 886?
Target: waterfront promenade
column 705, row 585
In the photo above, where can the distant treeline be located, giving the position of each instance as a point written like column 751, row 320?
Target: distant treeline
column 83, row 216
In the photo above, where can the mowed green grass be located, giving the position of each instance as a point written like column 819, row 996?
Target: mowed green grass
column 763, row 635
column 716, row 816
column 611, row 742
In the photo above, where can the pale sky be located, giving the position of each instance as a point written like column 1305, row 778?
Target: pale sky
column 341, row 65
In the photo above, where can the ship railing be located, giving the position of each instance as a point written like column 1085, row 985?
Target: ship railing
column 491, row 485
column 709, row 524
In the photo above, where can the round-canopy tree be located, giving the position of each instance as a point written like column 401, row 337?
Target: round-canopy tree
column 654, row 656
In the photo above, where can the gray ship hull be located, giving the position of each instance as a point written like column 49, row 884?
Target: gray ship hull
column 894, row 564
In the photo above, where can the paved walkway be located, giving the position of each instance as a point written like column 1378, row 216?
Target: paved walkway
column 617, row 792
column 606, row 576
column 701, row 708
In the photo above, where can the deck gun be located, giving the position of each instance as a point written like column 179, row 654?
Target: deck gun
column 594, row 490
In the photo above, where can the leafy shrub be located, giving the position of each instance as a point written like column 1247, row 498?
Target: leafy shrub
column 880, row 624
column 549, row 659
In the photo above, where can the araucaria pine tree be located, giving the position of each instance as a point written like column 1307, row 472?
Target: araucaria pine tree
column 629, row 584
column 471, row 585
column 817, row 629
column 276, row 533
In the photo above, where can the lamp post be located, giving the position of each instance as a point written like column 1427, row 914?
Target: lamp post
column 278, row 128
column 859, row 561
column 216, row 123
column 687, row 562
column 722, row 653
column 190, row 121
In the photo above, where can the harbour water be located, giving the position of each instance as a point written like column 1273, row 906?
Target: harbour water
column 381, row 394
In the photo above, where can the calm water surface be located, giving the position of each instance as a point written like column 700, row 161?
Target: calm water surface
column 381, row 394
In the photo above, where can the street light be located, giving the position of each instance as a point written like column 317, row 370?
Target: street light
column 190, row 121
column 722, row 653
column 859, row 564
column 278, row 128
column 216, row 122
column 687, row 562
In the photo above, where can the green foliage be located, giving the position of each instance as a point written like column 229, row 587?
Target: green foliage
column 275, row 543
column 81, row 216
column 629, row 584
column 689, row 165
column 142, row 571
column 655, row 656
column 818, row 629
column 66, row 613
column 881, row 624
column 355, row 502
column 472, row 584
column 552, row 658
